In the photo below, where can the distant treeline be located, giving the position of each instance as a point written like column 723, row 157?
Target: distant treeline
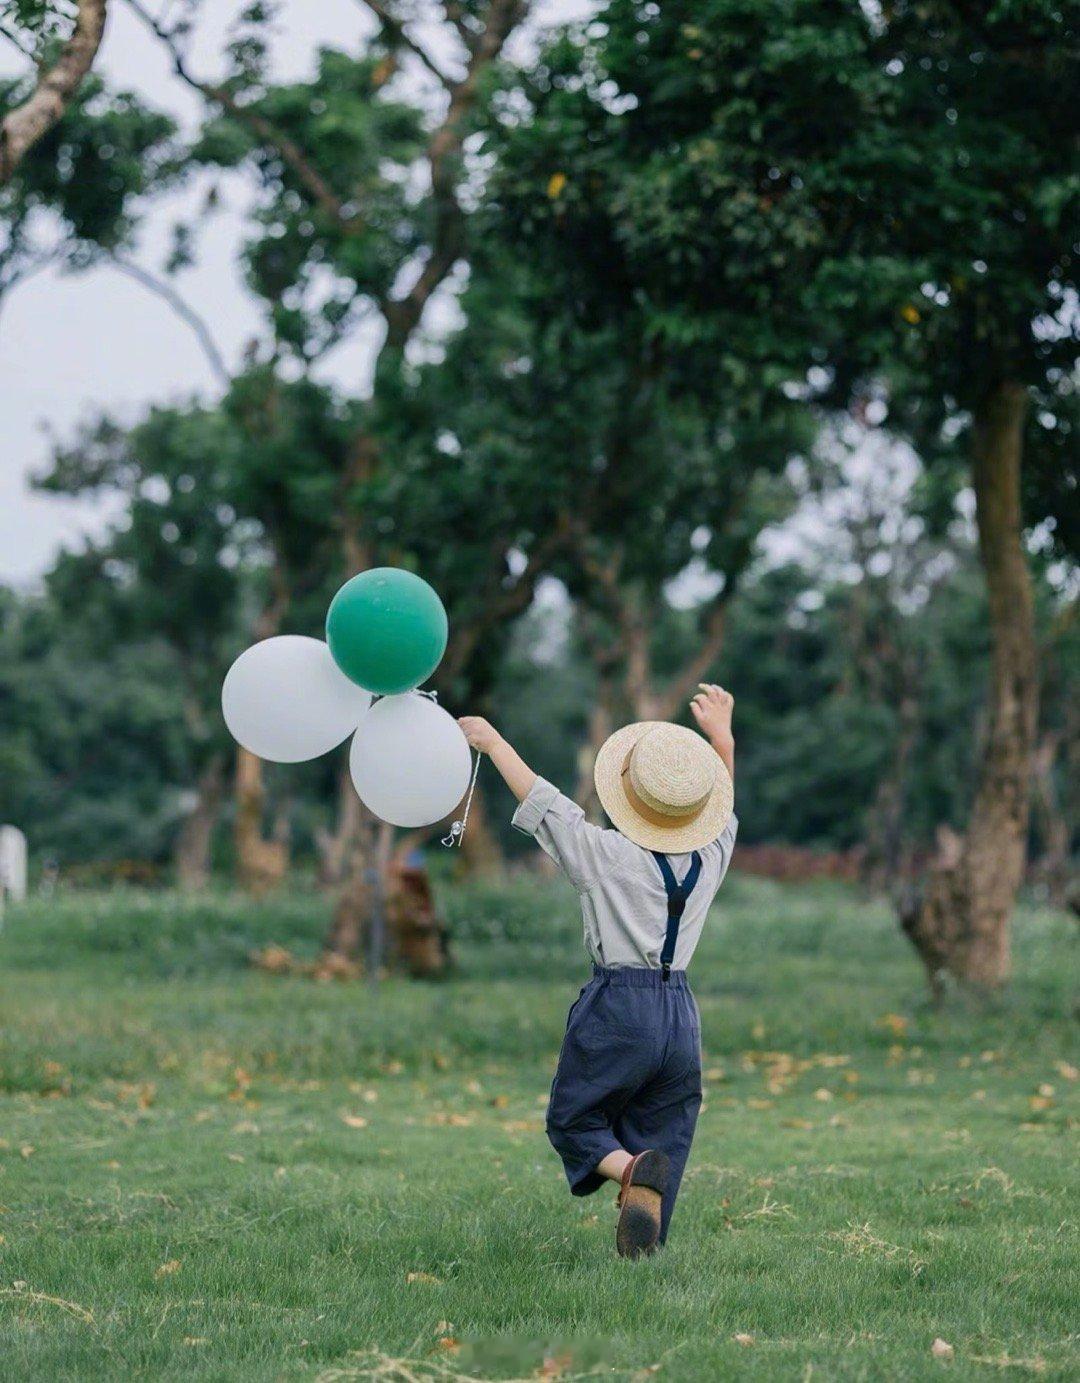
column 857, row 718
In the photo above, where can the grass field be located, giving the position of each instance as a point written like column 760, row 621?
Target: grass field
column 208, row 1172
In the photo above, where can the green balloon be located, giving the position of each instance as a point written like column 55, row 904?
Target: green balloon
column 387, row 630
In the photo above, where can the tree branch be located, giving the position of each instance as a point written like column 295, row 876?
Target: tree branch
column 25, row 125
column 183, row 309
column 682, row 686
column 396, row 33
column 501, row 602
column 292, row 155
column 444, row 150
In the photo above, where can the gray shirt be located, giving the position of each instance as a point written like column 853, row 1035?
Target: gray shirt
column 623, row 900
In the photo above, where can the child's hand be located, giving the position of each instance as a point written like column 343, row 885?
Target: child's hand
column 713, row 708
column 480, row 733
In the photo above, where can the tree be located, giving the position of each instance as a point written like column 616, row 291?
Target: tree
column 341, row 232
column 62, row 64
column 856, row 195
column 226, row 534
column 93, row 751
column 649, row 472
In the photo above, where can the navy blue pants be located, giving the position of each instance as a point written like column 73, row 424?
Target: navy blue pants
column 629, row 1076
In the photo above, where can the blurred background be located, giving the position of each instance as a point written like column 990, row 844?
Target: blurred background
column 719, row 341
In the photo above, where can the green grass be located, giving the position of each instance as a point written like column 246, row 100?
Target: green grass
column 212, row 1173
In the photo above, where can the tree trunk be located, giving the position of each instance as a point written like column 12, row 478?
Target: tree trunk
column 962, row 924
column 883, row 859
column 333, row 845
column 1052, row 868
column 191, row 853
column 600, row 724
column 348, row 928
column 261, row 864
column 414, row 937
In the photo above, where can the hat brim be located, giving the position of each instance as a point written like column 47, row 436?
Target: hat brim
column 707, row 823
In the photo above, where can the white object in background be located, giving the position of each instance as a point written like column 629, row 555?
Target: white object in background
column 409, row 761
column 12, row 864
column 286, row 700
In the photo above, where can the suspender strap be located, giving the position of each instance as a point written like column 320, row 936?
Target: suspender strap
column 677, row 894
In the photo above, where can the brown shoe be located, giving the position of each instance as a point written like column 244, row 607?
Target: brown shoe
column 643, row 1185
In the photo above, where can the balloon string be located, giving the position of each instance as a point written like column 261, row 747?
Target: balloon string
column 457, row 830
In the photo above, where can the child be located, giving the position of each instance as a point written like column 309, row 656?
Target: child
column 627, row 1090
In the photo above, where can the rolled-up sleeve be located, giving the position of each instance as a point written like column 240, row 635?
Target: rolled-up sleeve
column 559, row 827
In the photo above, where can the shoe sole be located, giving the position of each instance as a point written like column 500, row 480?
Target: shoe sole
column 639, row 1218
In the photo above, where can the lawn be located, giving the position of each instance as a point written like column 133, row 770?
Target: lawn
column 209, row 1172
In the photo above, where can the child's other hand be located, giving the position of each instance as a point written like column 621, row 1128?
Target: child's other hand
column 480, row 733
column 713, row 708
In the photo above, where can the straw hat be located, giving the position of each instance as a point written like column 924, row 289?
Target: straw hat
column 663, row 786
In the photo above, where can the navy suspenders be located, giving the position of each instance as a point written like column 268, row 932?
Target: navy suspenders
column 677, row 894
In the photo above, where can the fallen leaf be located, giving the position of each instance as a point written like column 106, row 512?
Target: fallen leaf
column 941, row 1349
column 167, row 1269
column 555, row 1365
column 354, row 1120
column 796, row 1123
column 234, row 1157
column 27, row 1150
column 1065, row 1071
column 448, row 1343
column 744, row 1340
column 422, row 1277
column 823, row 1094
column 896, row 1023
column 275, row 960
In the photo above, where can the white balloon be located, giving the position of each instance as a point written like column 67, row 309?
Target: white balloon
column 410, row 762
column 286, row 700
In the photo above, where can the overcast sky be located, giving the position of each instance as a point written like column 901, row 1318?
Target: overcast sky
column 71, row 345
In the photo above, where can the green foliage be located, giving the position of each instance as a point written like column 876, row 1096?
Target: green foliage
column 112, row 686
column 835, row 193
column 316, row 273
column 88, row 172
column 92, row 734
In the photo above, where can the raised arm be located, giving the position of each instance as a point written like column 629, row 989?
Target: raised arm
column 713, row 708
column 556, row 824
column 482, row 735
